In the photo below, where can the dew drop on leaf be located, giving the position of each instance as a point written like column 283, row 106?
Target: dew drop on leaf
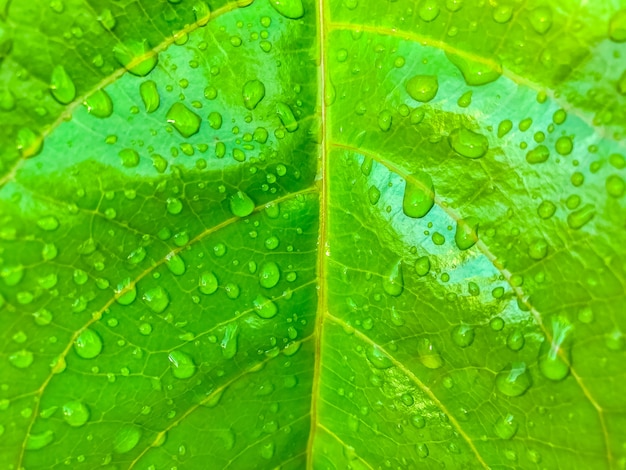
column 229, row 343
column 292, row 9
column 264, row 307
column 617, row 26
column 75, row 413
column 422, row 88
column 384, row 120
column 541, row 19
column 241, row 205
column 506, row 426
column 99, row 104
column 581, row 217
column 207, row 284
column 466, row 234
column 393, row 281
column 269, row 274
column 554, row 355
column 253, row 92
column 538, row 249
column 463, row 335
column 137, row 57
column 174, row 205
column 175, row 264
column 150, row 96
column 428, row 355
column 419, row 195
column 126, row 292
column 468, row 143
column 378, row 358
column 88, row 344
column 202, row 12
column 61, row 85
column 21, row 359
column 475, row 73
column 48, row 223
column 183, row 366
column 514, row 380
column 504, row 127
column 156, row 299
column 421, row 450
column 422, row 265
column 184, row 120
column 28, row 143
column 515, row 340
column 286, row 116
column 615, row 186
column 36, row 441
column 126, row 438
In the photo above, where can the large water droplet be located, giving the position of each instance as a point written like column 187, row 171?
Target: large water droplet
column 175, row 264
column 184, row 120
column 99, row 104
column 378, row 358
column 466, row 234
column 75, row 413
column 428, row 355
column 150, row 96
column 419, row 195
column 156, row 299
column 207, row 284
column 513, row 380
column 291, row 9
column 21, row 359
column 468, row 143
column 253, row 92
column 475, row 72
column 286, row 116
column 126, row 438
column 463, row 335
column 61, row 85
column 393, row 281
column 554, row 356
column 241, row 205
column 617, row 26
column 581, row 217
column 269, row 274
column 137, row 57
column 265, row 308
column 88, row 344
column 422, row 87
column 183, row 366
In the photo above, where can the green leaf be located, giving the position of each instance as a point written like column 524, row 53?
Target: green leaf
column 299, row 234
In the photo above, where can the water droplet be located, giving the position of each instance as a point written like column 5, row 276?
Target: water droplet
column 564, row 145
column 422, row 88
column 150, row 96
column 617, row 26
column 39, row 441
column 215, row 120
column 428, row 355
column 502, row 13
column 241, row 205
column 538, row 155
column 29, row 144
column 184, row 120
column 183, row 366
column 373, row 194
column 546, row 209
column 465, row 99
column 265, row 308
column 475, row 73
column 505, row 427
column 174, row 205
column 615, row 186
column 422, row 265
column 393, row 281
column 541, row 19
column 207, row 283
column 581, row 217
column 463, row 335
column 21, row 359
column 99, row 104
column 515, row 340
column 291, row 9
column 75, row 413
column 378, row 358
column 156, row 299
column 551, row 362
column 88, row 344
column 513, row 380
column 61, row 85
column 538, row 249
column 129, row 157
column 202, row 12
column 253, row 92
column 229, row 341
column 269, row 274
column 419, row 195
column 428, row 10
column 137, row 57
column 421, row 450
column 175, row 264
column 285, row 114
column 466, row 234
column 126, row 438
column 48, row 223
column 504, row 127
column 468, row 143
column 384, row 120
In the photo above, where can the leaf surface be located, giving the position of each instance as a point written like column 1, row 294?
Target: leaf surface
column 312, row 235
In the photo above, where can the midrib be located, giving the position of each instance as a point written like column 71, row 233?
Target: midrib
column 322, row 182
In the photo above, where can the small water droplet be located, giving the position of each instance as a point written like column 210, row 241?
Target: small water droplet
column 393, row 281
column 475, row 73
column 183, row 366
column 463, row 335
column 421, row 450
column 539, row 154
column 61, row 85
column 265, row 308
column 175, row 264
column 207, row 284
column 428, row 355
column 422, row 265
column 99, row 104
column 156, row 299
column 466, row 234
column 419, row 195
column 292, row 9
column 229, row 341
column 75, row 413
column 137, row 57
column 506, row 426
column 286, row 116
column 422, row 88
column 551, row 362
column 184, row 120
column 581, row 217
column 150, row 96
column 126, row 438
column 241, row 205
column 378, row 358
column 21, row 359
column 269, row 274
column 253, row 92
column 39, row 441
column 468, row 143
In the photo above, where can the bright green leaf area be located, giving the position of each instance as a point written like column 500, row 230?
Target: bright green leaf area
column 312, row 234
